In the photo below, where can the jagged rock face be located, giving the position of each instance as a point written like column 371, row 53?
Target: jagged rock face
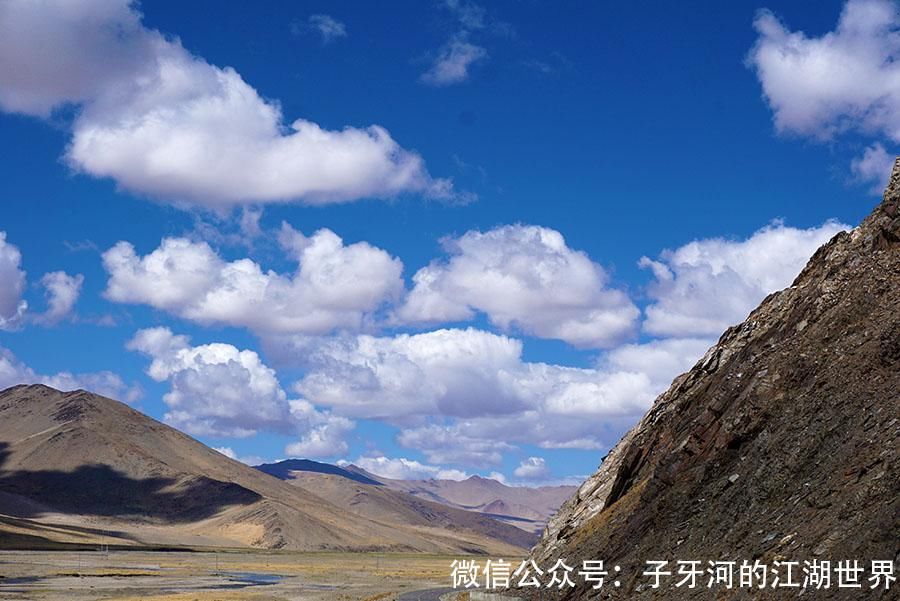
column 781, row 443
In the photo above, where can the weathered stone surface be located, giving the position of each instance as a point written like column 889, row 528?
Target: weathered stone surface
column 781, row 443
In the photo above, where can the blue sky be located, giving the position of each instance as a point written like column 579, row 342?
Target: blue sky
column 531, row 154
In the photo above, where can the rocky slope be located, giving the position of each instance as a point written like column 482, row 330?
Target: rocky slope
column 783, row 442
column 81, row 469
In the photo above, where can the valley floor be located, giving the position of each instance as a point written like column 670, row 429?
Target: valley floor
column 217, row 576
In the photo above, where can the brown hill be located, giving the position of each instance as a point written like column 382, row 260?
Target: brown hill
column 782, row 443
column 379, row 502
column 77, row 468
column 526, row 507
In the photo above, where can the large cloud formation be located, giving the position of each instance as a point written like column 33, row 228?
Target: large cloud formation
column 522, row 277
column 335, row 285
column 846, row 79
column 165, row 123
column 462, row 396
column 466, row 396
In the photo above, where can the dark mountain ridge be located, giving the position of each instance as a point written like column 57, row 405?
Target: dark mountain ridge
column 283, row 469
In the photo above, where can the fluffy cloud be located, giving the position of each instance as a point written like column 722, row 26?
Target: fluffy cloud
column 216, row 389
column 220, row 390
column 846, row 78
column 62, row 294
column 335, row 285
column 406, row 469
column 532, row 468
column 13, row 371
column 151, row 111
column 453, row 62
column 522, row 277
column 12, row 285
column 457, row 373
column 445, row 372
column 467, row 396
column 705, row 286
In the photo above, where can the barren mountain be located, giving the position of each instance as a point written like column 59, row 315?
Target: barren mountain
column 365, row 497
column 782, row 443
column 78, row 469
column 526, row 507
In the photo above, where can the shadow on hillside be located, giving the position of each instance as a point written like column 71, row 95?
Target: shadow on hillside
column 102, row 491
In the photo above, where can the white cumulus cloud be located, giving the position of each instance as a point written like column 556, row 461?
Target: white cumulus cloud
column 335, row 285
column 525, row 278
column 165, row 123
column 216, row 389
column 219, row 390
column 467, row 396
column 844, row 80
column 705, row 286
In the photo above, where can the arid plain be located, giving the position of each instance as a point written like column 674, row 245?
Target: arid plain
column 218, row 576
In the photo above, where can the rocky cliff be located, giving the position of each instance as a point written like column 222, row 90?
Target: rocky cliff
column 780, row 444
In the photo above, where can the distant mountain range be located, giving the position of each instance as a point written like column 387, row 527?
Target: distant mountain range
column 78, row 469
column 526, row 507
column 354, row 489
